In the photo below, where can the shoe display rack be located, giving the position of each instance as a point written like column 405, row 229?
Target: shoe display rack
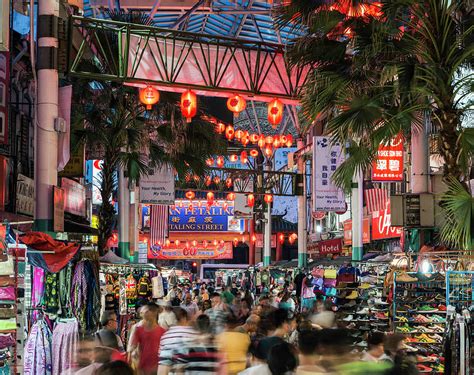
column 419, row 312
column 459, row 286
column 361, row 305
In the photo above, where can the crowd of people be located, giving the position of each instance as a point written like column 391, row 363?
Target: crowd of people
column 196, row 329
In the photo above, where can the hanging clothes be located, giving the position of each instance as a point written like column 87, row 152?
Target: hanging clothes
column 38, row 358
column 51, row 295
column 64, row 345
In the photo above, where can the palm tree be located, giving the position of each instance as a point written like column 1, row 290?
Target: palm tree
column 117, row 126
column 376, row 72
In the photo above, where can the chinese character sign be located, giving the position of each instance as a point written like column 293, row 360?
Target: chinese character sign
column 221, row 251
column 389, row 163
column 326, row 158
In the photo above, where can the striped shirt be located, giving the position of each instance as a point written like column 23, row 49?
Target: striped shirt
column 198, row 359
column 173, row 341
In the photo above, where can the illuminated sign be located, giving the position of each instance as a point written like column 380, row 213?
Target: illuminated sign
column 389, row 163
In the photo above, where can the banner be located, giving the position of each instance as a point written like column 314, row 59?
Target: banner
column 75, row 197
column 326, row 158
column 389, row 163
column 64, row 108
column 221, row 251
column 4, row 80
column 200, row 218
column 381, row 228
column 333, row 246
column 58, row 209
column 158, row 188
column 75, row 165
column 96, row 181
column 348, row 231
column 25, row 195
column 259, row 242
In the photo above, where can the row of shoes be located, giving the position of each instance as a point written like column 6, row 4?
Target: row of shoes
column 420, row 318
column 436, row 368
column 420, row 329
column 441, row 308
column 424, row 338
column 404, row 277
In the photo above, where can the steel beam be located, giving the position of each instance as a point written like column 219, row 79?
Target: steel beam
column 132, row 53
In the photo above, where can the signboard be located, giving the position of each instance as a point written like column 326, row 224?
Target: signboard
column 389, row 163
column 158, row 188
column 326, row 158
column 96, row 181
column 348, row 231
column 75, row 197
column 218, row 218
column 221, row 251
column 142, row 252
column 259, row 241
column 4, row 25
column 4, row 79
column 3, row 235
column 25, row 195
column 58, row 209
column 381, row 225
column 75, row 165
column 333, row 246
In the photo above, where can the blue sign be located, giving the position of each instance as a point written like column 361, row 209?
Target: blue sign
column 218, row 218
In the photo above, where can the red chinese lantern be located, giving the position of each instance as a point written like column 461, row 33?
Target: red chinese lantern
column 275, row 112
column 196, row 178
column 216, row 180
column 268, row 151
column 289, row 140
column 281, row 238
column 253, row 138
column 215, row 242
column 194, row 243
column 229, row 132
column 190, row 195
column 149, row 96
column 228, row 182
column 230, row 196
column 269, row 140
column 167, row 243
column 292, row 238
column 220, row 127
column 210, row 198
column 177, row 242
column 254, row 238
column 261, row 141
column 190, row 207
column 283, row 140
column 188, row 105
column 233, row 158
column 268, row 198
column 210, row 162
column 207, row 180
column 250, row 200
column 236, row 241
column 242, row 239
column 276, row 141
column 239, row 134
column 236, row 104
column 205, row 244
column 253, row 153
column 220, row 161
column 243, row 157
column 187, row 244
column 245, row 141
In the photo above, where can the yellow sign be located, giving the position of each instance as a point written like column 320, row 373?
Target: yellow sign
column 75, row 165
column 95, row 222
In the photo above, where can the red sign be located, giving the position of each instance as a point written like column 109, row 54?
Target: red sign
column 389, row 163
column 318, row 215
column 223, row 251
column 75, row 197
column 348, row 231
column 4, row 80
column 330, row 246
column 259, row 242
column 381, row 227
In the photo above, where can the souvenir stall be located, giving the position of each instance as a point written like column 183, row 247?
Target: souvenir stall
column 126, row 287
column 62, row 290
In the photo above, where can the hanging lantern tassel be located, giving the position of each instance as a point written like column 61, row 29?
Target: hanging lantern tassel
column 149, row 96
column 275, row 112
column 188, row 105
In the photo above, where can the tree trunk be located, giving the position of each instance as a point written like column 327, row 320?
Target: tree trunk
column 106, row 210
column 449, row 148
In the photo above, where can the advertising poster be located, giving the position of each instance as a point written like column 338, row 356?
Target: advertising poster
column 348, row 231
column 381, row 225
column 389, row 163
column 58, row 209
column 25, row 195
column 75, row 196
column 326, row 158
column 158, row 188
column 221, row 251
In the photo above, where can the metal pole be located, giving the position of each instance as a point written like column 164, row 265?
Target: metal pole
column 46, row 138
column 267, row 241
column 357, row 213
column 302, row 257
column 123, row 207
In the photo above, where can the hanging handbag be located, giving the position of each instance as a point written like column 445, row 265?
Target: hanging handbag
column 456, row 278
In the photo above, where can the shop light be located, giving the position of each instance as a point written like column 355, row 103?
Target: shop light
column 319, row 228
column 426, row 266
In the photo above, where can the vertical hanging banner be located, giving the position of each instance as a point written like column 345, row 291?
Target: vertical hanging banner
column 64, row 154
column 326, row 158
column 4, row 79
column 59, row 199
column 389, row 163
column 158, row 188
